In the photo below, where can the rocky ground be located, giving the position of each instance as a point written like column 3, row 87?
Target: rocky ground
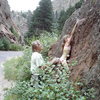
column 4, row 84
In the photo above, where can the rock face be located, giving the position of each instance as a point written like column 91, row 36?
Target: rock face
column 85, row 45
column 59, row 5
column 21, row 19
column 6, row 22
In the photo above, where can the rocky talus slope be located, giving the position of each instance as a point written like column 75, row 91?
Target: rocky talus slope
column 6, row 22
column 85, row 45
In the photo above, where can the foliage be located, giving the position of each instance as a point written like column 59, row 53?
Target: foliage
column 15, row 47
column 24, row 15
column 64, row 16
column 11, row 67
column 78, row 5
column 4, row 43
column 42, row 18
column 18, row 68
column 53, row 84
column 61, row 20
column 46, row 38
column 14, row 31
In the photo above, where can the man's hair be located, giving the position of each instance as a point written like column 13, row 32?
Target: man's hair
column 35, row 45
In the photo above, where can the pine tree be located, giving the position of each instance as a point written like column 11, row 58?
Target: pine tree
column 42, row 18
column 64, row 15
column 61, row 20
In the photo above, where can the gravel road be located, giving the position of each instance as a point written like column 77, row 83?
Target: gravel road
column 4, row 84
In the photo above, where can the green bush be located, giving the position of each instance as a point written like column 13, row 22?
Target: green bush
column 4, row 43
column 53, row 85
column 15, row 47
column 18, row 68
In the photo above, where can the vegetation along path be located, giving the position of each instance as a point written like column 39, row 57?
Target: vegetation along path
column 5, row 55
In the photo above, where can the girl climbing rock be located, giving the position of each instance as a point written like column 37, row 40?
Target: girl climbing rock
column 66, row 45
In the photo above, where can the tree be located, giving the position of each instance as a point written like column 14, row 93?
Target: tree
column 64, row 15
column 42, row 18
column 61, row 20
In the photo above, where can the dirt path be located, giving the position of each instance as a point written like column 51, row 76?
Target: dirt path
column 5, row 55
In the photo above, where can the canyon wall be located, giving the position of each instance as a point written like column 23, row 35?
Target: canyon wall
column 6, row 23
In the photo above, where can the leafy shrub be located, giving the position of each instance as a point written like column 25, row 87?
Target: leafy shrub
column 11, row 69
column 54, row 84
column 4, row 43
column 18, row 68
column 15, row 47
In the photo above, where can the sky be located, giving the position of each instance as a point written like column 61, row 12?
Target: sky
column 23, row 5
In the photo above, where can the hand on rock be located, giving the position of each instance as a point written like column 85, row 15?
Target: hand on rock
column 80, row 21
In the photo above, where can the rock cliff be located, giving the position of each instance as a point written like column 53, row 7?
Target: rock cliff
column 85, row 45
column 22, row 20
column 59, row 5
column 6, row 23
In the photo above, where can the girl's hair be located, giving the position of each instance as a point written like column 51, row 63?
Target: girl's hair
column 35, row 45
column 64, row 40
